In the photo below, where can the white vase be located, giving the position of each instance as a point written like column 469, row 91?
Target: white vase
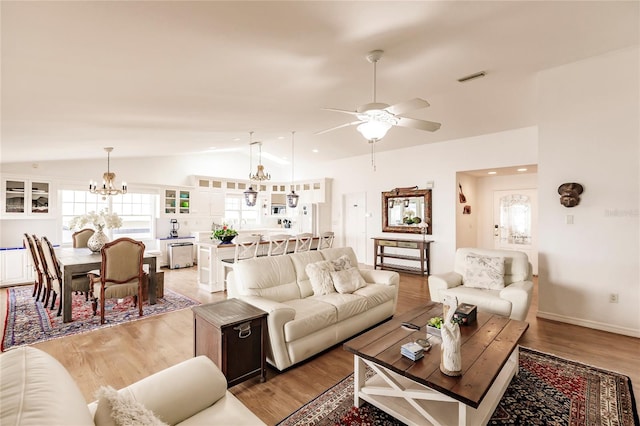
column 97, row 241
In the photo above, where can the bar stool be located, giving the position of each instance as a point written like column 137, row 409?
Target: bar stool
column 303, row 242
column 278, row 244
column 326, row 240
column 246, row 248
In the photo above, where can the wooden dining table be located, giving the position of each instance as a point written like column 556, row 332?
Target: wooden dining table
column 74, row 261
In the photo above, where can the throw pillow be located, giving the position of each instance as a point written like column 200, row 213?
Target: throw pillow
column 320, row 277
column 342, row 263
column 115, row 409
column 484, row 272
column 348, row 280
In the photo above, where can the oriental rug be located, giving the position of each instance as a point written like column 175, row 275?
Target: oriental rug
column 547, row 391
column 28, row 321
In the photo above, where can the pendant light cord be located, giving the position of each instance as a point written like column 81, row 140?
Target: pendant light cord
column 292, row 156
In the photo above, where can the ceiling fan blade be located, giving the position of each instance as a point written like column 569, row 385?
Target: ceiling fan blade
column 341, row 110
column 406, row 106
column 337, row 127
column 429, row 126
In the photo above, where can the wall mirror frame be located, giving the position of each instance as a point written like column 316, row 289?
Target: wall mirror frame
column 405, row 210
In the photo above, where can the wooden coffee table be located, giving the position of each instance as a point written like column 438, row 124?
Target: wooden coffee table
column 418, row 392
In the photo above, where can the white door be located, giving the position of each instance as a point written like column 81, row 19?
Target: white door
column 515, row 215
column 355, row 224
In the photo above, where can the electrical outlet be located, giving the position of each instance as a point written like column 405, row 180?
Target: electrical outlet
column 613, row 297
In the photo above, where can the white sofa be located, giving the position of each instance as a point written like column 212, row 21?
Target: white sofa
column 301, row 324
column 511, row 301
column 35, row 389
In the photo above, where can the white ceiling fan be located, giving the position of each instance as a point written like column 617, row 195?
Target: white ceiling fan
column 375, row 118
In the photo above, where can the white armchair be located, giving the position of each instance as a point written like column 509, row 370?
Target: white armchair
column 504, row 286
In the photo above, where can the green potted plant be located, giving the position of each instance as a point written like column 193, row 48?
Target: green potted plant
column 224, row 234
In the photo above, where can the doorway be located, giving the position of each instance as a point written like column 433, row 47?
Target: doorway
column 355, row 224
column 515, row 218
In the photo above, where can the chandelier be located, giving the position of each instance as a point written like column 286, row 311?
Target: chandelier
column 251, row 195
column 292, row 198
column 260, row 175
column 108, row 187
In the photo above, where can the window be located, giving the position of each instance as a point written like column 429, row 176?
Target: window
column 136, row 211
column 237, row 212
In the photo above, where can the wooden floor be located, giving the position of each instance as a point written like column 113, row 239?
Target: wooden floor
column 121, row 355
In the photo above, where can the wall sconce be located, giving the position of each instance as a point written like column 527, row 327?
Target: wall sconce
column 570, row 194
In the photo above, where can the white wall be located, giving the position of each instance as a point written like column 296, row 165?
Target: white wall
column 467, row 224
column 437, row 162
column 589, row 133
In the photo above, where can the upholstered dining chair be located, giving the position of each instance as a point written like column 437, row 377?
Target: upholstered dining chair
column 326, row 240
column 29, row 245
column 303, row 242
column 121, row 274
column 278, row 244
column 81, row 237
column 54, row 276
column 246, row 248
column 43, row 271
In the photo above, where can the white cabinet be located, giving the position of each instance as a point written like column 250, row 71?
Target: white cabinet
column 207, row 203
column 15, row 267
column 24, row 198
column 176, row 202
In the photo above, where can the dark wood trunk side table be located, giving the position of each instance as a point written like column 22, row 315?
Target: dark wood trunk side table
column 233, row 334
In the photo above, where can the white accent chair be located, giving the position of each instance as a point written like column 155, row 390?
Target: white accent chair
column 513, row 300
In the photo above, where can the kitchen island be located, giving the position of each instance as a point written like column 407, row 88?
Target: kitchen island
column 211, row 274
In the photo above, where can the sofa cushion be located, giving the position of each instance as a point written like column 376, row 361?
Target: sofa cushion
column 346, row 305
column 485, row 300
column 347, row 280
column 320, row 277
column 334, row 253
column 300, row 262
column 377, row 294
column 116, row 409
column 342, row 263
column 484, row 272
column 271, row 277
column 36, row 389
column 311, row 316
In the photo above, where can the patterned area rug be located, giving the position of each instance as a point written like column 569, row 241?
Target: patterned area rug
column 548, row 391
column 30, row 322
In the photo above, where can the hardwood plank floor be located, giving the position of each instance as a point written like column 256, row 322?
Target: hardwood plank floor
column 121, row 355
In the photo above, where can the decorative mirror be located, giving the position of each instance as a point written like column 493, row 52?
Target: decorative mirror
column 407, row 210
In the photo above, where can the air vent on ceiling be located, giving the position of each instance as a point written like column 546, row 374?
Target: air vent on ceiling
column 472, row 76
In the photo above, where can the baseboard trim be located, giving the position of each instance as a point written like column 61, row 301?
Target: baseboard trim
column 589, row 324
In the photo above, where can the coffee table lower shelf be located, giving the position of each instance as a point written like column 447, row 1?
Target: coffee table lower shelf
column 416, row 404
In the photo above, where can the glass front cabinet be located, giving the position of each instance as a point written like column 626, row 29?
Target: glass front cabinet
column 23, row 197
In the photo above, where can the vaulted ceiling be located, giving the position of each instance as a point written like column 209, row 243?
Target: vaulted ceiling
column 182, row 77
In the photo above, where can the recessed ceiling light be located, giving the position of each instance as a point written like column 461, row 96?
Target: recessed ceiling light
column 523, row 169
column 492, row 173
column 280, row 137
column 212, row 147
column 315, row 151
column 236, row 139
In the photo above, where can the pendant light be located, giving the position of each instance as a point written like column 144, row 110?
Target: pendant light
column 250, row 195
column 292, row 198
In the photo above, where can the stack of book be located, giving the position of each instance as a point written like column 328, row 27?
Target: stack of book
column 412, row 350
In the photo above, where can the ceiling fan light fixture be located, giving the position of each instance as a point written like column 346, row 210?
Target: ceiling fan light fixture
column 374, row 129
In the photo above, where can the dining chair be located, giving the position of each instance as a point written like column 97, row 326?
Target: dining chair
column 27, row 242
column 246, row 248
column 121, row 274
column 326, row 240
column 81, row 237
column 278, row 244
column 303, row 242
column 55, row 278
column 43, row 271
